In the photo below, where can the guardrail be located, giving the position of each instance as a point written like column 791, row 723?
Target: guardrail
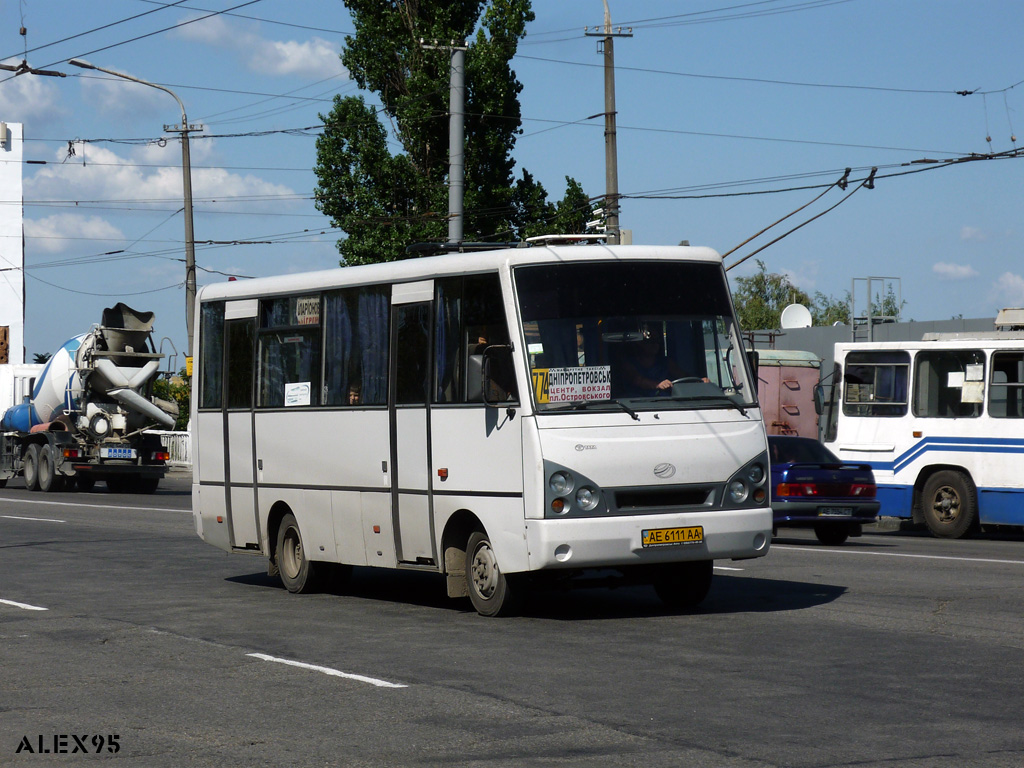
column 179, row 445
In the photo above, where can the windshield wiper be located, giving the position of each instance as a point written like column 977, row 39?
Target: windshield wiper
column 581, row 405
column 719, row 398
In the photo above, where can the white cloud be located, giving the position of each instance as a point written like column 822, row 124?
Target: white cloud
column 121, row 99
column 315, row 57
column 973, row 234
column 1009, row 289
column 131, row 179
column 947, row 271
column 52, row 233
column 29, row 98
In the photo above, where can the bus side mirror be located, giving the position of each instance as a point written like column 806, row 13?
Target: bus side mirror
column 753, row 360
column 497, row 377
column 819, row 399
column 474, row 379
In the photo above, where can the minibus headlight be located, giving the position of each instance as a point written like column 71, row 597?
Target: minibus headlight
column 561, row 483
column 755, row 474
column 586, row 498
column 738, row 491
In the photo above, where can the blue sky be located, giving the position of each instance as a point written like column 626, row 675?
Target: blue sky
column 713, row 98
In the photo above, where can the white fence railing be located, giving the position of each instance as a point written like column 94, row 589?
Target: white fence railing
column 179, row 445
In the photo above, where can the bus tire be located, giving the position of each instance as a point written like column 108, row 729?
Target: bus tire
column 683, row 585
column 48, row 479
column 491, row 592
column 298, row 573
column 832, row 535
column 949, row 504
column 31, row 467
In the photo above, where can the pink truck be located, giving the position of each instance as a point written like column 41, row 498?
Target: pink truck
column 785, row 388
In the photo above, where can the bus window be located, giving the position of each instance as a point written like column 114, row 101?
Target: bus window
column 240, row 335
column 470, row 316
column 211, row 331
column 289, row 342
column 1006, row 389
column 831, row 414
column 355, row 346
column 949, row 383
column 875, row 383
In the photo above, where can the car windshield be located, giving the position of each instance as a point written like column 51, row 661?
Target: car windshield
column 799, row 450
column 632, row 336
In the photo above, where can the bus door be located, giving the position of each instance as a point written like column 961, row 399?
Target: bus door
column 411, row 502
column 237, row 423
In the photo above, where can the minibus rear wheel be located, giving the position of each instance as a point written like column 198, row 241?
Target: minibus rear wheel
column 298, row 573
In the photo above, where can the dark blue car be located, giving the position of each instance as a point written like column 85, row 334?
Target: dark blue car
column 812, row 488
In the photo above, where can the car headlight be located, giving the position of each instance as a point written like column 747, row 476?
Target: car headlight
column 586, row 498
column 560, row 483
column 738, row 491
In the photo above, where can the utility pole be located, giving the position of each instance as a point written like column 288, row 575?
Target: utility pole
column 456, row 137
column 611, row 161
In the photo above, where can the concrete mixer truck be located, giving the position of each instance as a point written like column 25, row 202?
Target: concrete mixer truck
column 88, row 413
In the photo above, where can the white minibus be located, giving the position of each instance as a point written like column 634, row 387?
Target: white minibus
column 498, row 417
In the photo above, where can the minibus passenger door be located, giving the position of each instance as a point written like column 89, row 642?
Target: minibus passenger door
column 238, row 432
column 410, row 374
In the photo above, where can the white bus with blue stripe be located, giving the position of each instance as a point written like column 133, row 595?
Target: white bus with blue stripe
column 940, row 421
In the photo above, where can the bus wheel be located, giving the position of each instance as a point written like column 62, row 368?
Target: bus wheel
column 489, row 588
column 47, row 472
column 31, row 467
column 833, row 535
column 950, row 505
column 298, row 573
column 683, row 585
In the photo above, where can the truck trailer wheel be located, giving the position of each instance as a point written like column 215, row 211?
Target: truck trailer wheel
column 30, row 469
column 49, row 480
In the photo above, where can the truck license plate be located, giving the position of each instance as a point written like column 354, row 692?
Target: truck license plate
column 117, row 453
column 666, row 537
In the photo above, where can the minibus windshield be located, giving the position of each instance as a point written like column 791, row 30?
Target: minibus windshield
column 644, row 335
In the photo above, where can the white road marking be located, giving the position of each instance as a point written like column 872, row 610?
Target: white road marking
column 92, row 506
column 898, row 554
column 37, row 519
column 26, row 606
column 328, row 671
column 726, row 568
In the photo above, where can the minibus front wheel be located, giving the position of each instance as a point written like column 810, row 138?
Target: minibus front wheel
column 491, row 591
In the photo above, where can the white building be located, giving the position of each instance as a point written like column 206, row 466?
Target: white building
column 12, row 244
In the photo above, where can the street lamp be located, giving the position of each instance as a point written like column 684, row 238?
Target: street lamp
column 186, row 173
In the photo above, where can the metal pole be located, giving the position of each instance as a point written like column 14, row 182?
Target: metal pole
column 611, row 155
column 186, row 174
column 457, row 146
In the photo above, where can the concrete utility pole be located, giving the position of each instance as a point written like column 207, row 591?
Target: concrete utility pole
column 186, row 173
column 611, row 161
column 456, row 137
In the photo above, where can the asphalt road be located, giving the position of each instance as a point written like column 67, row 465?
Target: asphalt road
column 122, row 633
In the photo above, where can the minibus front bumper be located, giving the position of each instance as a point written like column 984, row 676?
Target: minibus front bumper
column 625, row 540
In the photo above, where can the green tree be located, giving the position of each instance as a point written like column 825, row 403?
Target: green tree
column 384, row 201
column 761, row 297
column 176, row 389
column 40, row 357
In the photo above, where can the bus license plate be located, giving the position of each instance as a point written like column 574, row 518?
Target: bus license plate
column 835, row 512
column 117, row 453
column 665, row 537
